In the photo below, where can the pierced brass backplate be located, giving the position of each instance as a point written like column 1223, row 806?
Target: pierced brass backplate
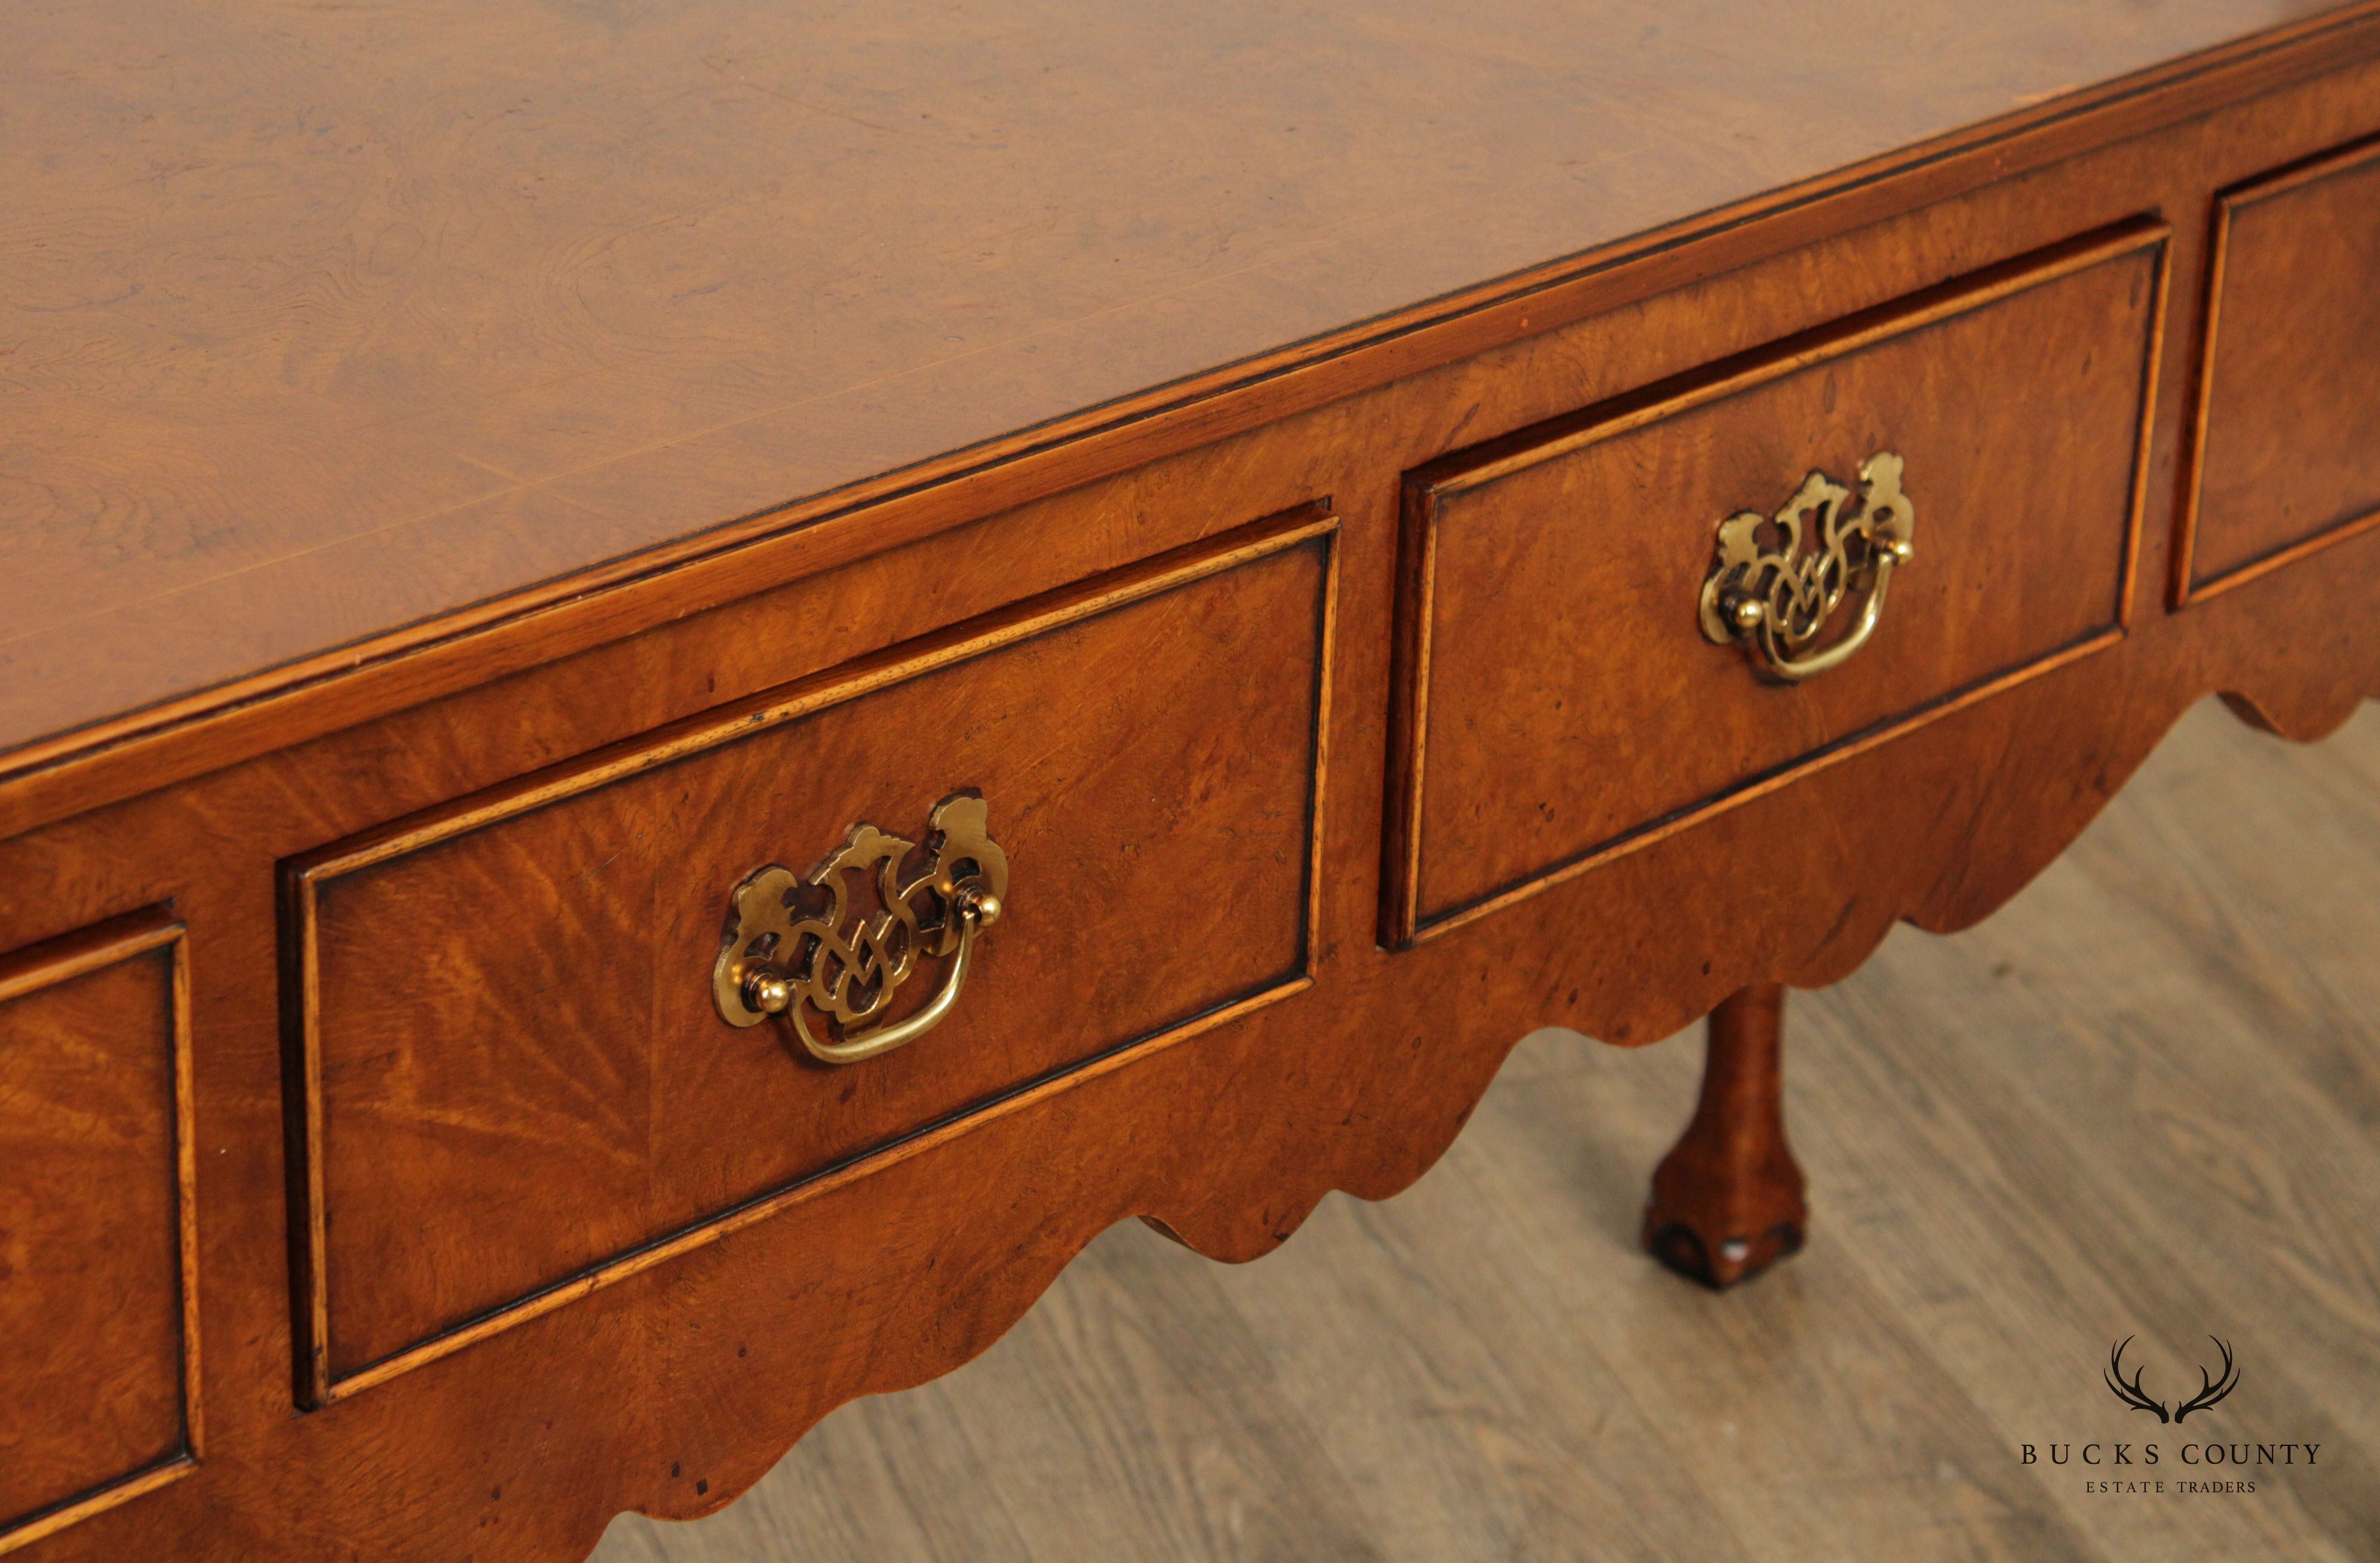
column 813, row 954
column 1777, row 580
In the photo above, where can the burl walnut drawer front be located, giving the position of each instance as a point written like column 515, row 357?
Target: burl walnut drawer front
column 1561, row 694
column 98, row 1305
column 512, row 1078
column 2288, row 459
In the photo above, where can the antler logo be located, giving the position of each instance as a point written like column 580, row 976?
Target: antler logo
column 2129, row 1390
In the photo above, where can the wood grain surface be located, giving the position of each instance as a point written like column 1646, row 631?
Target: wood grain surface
column 1562, row 700
column 99, row 1359
column 322, row 323
column 675, row 1388
column 2293, row 329
column 504, row 1021
column 2139, row 1099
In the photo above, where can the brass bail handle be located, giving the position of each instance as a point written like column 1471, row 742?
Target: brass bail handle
column 1776, row 596
column 828, row 975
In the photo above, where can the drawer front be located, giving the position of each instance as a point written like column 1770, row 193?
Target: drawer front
column 98, row 1308
column 2288, row 425
column 1558, row 700
column 514, row 1080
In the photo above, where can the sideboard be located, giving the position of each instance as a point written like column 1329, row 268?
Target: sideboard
column 682, row 692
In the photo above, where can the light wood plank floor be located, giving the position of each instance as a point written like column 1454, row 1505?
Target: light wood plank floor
column 2143, row 1099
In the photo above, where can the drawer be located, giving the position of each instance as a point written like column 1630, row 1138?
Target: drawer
column 98, row 1300
column 521, row 1071
column 2288, row 449
column 1556, row 699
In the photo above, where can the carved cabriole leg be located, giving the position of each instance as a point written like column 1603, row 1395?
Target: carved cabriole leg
column 1726, row 1201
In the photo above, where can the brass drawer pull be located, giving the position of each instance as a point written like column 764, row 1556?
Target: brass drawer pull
column 1775, row 597
column 812, row 953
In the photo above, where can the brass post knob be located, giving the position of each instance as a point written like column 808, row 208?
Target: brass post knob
column 768, row 990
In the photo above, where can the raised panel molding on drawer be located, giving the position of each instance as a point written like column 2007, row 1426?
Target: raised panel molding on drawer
column 513, row 1085
column 1542, row 729
column 2287, row 452
column 98, row 1246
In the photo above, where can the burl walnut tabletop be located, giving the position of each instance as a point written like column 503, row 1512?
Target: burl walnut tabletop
column 684, row 689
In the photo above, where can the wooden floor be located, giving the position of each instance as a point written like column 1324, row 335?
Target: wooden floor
column 2144, row 1099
